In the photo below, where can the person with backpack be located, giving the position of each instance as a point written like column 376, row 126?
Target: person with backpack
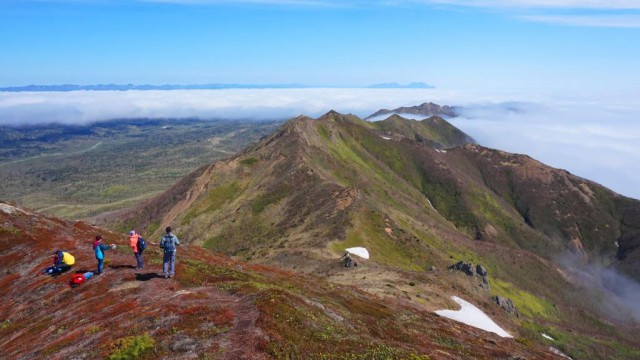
column 62, row 262
column 138, row 244
column 99, row 248
column 169, row 243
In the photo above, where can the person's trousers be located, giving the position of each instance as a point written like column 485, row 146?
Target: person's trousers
column 100, row 266
column 169, row 263
column 139, row 260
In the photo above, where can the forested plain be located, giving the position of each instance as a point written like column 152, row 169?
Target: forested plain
column 81, row 171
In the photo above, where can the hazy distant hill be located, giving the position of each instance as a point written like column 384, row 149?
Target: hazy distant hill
column 425, row 110
column 125, row 87
column 413, row 85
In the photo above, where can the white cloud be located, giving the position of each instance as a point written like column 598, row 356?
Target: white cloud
column 501, row 4
column 320, row 3
column 551, row 4
column 523, row 4
column 610, row 21
column 596, row 137
column 88, row 106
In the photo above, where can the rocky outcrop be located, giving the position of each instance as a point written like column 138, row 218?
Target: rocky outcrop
column 506, row 304
column 466, row 268
column 471, row 270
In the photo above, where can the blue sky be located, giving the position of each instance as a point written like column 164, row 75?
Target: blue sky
column 521, row 44
column 573, row 65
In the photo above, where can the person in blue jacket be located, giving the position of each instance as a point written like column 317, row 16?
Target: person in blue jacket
column 169, row 243
column 99, row 248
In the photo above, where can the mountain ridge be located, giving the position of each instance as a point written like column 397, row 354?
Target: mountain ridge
column 425, row 109
column 297, row 198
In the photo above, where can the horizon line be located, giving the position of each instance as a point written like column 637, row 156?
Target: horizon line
column 209, row 86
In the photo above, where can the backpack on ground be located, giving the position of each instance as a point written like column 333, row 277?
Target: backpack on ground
column 142, row 244
column 77, row 280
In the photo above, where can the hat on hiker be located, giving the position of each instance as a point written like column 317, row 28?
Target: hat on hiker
column 132, row 232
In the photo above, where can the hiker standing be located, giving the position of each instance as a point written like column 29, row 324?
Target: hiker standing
column 99, row 248
column 133, row 242
column 169, row 243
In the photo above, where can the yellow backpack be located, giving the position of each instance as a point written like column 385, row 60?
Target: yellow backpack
column 68, row 258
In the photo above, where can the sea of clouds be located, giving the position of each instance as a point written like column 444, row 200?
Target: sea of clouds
column 594, row 136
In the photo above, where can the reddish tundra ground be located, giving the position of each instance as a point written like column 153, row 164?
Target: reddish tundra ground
column 215, row 308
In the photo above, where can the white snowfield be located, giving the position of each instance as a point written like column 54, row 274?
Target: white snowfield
column 471, row 315
column 360, row 251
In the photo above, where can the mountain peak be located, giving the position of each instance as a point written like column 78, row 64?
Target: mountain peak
column 426, row 109
column 330, row 115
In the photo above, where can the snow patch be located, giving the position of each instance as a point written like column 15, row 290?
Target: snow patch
column 360, row 251
column 548, row 337
column 441, row 151
column 559, row 353
column 385, row 137
column 471, row 315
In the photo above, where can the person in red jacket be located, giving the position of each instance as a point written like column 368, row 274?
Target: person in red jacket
column 133, row 242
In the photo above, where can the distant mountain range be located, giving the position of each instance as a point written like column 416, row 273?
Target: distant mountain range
column 121, row 87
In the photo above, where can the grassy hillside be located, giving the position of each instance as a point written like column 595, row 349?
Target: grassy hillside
column 83, row 171
column 299, row 197
column 215, row 308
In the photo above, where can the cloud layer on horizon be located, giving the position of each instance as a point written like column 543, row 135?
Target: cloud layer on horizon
column 596, row 137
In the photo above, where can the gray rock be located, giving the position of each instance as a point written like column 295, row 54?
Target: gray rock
column 467, row 268
column 485, row 284
column 481, row 270
column 183, row 343
column 506, row 304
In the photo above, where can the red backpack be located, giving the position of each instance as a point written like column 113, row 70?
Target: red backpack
column 77, row 279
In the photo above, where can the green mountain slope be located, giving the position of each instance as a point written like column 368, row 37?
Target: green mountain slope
column 299, row 197
column 433, row 131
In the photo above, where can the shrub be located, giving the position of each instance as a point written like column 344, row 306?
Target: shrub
column 249, row 161
column 131, row 347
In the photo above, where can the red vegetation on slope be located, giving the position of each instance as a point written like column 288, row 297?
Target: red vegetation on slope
column 215, row 307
